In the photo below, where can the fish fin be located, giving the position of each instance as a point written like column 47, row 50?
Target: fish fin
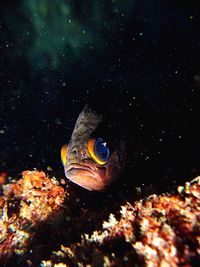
column 64, row 154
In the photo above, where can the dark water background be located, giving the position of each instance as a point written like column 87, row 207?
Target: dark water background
column 55, row 54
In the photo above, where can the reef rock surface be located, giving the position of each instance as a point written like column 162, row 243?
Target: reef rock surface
column 42, row 224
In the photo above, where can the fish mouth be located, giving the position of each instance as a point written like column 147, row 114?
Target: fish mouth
column 91, row 178
column 75, row 169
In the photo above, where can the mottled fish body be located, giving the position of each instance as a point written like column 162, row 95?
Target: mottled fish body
column 88, row 161
column 107, row 134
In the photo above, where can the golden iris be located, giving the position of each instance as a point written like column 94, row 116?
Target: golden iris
column 98, row 150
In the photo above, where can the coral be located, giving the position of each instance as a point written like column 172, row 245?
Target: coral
column 159, row 230
column 24, row 206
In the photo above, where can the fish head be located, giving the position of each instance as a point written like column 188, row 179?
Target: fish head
column 89, row 161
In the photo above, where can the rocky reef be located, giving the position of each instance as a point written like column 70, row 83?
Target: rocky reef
column 45, row 223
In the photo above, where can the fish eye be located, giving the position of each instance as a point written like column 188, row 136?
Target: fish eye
column 98, row 150
column 101, row 149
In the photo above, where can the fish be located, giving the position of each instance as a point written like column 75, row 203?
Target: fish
column 120, row 138
column 90, row 159
column 108, row 141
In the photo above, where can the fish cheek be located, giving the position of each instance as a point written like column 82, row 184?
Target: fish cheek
column 113, row 168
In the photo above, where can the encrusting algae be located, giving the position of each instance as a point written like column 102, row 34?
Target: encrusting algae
column 160, row 230
column 26, row 204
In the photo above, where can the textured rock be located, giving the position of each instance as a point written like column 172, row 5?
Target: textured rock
column 24, row 205
column 39, row 216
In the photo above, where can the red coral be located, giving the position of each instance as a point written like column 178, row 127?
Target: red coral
column 27, row 202
column 163, row 230
column 157, row 231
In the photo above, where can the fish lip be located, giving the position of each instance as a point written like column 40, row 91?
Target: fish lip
column 79, row 166
column 76, row 166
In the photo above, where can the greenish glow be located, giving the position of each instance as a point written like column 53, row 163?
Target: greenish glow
column 54, row 34
column 59, row 37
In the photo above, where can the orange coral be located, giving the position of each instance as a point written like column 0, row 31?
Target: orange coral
column 161, row 230
column 26, row 203
column 3, row 178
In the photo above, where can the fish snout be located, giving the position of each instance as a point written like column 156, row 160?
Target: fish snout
column 76, row 152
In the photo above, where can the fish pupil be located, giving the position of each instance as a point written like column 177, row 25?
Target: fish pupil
column 101, row 149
